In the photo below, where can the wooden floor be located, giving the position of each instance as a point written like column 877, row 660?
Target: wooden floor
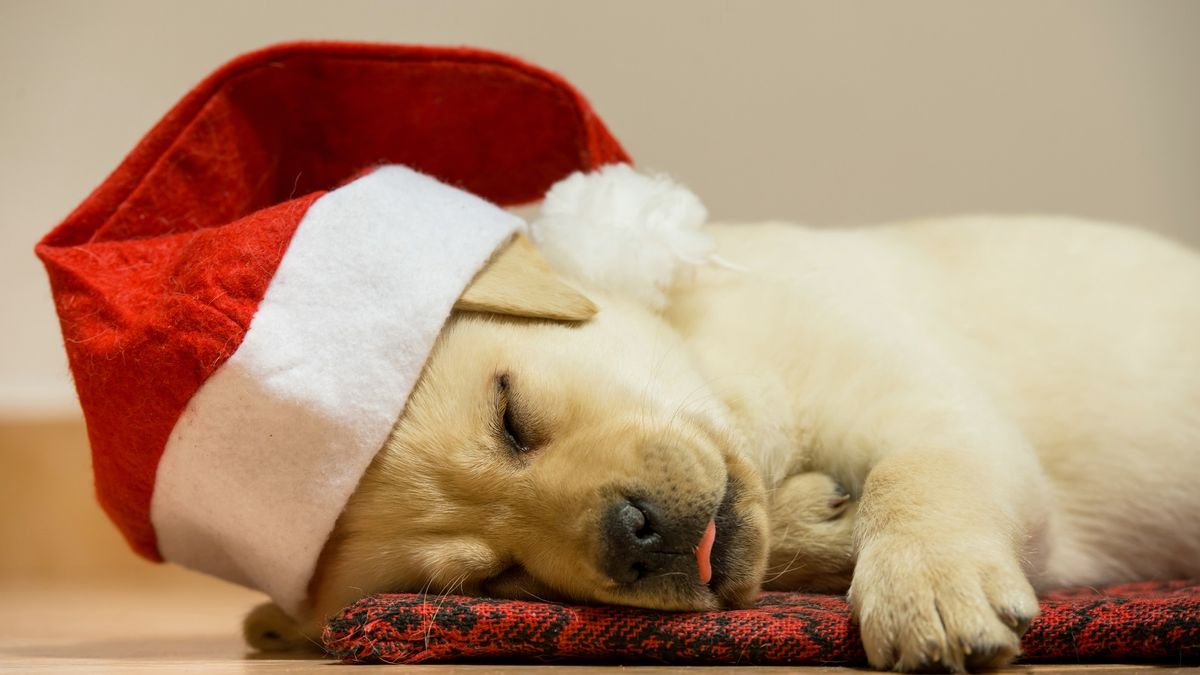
column 193, row 627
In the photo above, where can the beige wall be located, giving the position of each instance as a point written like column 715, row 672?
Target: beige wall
column 51, row 529
column 823, row 112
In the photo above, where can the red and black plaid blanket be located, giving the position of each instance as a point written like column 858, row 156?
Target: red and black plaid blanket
column 1144, row 622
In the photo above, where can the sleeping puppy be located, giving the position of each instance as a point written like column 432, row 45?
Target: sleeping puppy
column 940, row 417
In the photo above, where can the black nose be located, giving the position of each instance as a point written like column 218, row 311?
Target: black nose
column 640, row 541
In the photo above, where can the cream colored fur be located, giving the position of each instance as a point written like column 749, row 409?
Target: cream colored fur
column 1010, row 404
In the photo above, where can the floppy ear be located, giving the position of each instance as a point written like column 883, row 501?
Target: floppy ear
column 517, row 281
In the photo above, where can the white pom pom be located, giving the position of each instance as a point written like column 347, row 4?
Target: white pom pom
column 624, row 232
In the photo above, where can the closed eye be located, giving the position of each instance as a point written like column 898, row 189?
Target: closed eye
column 509, row 423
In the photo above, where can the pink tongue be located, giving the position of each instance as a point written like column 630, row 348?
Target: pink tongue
column 704, row 551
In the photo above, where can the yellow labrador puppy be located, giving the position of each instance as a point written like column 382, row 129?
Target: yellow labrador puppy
column 941, row 416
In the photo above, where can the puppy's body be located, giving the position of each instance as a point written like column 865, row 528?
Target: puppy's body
column 996, row 391
column 1076, row 343
column 1006, row 401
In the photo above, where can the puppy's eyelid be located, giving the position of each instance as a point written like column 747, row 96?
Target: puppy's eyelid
column 508, row 425
column 512, row 433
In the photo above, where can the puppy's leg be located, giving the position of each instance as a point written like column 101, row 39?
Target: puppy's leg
column 940, row 536
column 951, row 499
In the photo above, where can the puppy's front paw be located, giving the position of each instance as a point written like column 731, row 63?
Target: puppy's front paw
column 939, row 606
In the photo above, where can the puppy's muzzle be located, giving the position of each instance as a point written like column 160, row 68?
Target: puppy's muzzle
column 642, row 542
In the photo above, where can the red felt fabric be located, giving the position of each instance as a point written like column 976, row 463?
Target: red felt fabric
column 157, row 274
column 1152, row 621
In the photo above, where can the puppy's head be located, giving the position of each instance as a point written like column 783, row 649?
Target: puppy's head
column 553, row 449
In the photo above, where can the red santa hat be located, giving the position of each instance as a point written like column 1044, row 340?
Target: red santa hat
column 245, row 326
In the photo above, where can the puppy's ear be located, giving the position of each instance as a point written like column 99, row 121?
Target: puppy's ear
column 517, row 281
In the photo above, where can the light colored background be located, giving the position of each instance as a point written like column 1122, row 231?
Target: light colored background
column 827, row 113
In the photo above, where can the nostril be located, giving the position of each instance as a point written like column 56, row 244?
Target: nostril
column 645, row 531
column 631, row 536
column 644, row 526
column 632, row 519
column 637, row 520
